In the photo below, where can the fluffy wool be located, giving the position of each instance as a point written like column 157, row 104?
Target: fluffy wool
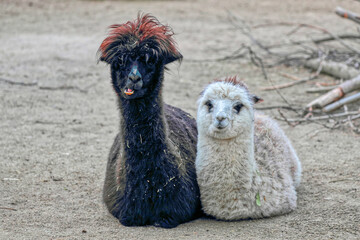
column 245, row 165
column 150, row 177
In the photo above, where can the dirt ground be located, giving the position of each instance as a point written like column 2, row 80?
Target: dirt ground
column 54, row 142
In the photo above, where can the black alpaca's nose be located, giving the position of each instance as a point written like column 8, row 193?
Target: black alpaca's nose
column 134, row 78
column 134, row 75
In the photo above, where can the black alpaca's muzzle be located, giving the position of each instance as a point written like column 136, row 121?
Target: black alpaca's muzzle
column 134, row 81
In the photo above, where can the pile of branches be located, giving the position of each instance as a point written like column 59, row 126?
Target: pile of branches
column 337, row 55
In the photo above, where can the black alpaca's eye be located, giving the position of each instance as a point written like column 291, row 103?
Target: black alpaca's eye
column 209, row 105
column 150, row 60
column 238, row 107
column 133, row 56
column 120, row 61
column 147, row 59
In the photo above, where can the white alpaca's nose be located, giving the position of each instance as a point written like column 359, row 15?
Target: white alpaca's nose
column 221, row 120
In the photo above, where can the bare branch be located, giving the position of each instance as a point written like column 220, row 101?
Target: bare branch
column 329, row 33
column 279, row 106
column 316, row 41
column 347, row 14
column 296, row 82
column 320, row 89
column 18, row 83
column 7, row 208
column 352, row 117
column 257, row 60
column 292, row 124
column 339, row 70
column 346, row 100
column 336, row 93
column 301, row 25
column 324, row 117
column 63, row 87
column 245, row 30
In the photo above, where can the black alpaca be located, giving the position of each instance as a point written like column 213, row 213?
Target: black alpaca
column 150, row 176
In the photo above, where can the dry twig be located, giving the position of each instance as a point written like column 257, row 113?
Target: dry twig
column 346, row 100
column 347, row 14
column 63, row 87
column 320, row 89
column 292, row 124
column 324, row 117
column 18, row 83
column 277, row 107
column 339, row 70
column 335, row 94
column 315, row 52
column 7, row 208
column 297, row 80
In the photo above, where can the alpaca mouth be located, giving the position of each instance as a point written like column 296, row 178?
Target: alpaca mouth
column 129, row 91
column 221, row 126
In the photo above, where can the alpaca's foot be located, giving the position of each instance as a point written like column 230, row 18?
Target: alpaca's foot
column 130, row 221
column 166, row 223
column 127, row 222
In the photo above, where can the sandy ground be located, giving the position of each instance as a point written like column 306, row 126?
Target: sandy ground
column 54, row 143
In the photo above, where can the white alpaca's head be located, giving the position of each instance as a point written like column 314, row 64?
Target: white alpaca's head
column 225, row 109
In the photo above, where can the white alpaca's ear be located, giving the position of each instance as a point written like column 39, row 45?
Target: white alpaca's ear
column 256, row 99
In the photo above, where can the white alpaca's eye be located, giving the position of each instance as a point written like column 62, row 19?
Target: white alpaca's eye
column 209, row 105
column 238, row 107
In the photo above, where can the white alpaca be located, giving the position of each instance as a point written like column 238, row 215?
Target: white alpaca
column 245, row 165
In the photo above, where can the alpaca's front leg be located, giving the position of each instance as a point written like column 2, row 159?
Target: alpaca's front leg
column 179, row 205
column 131, row 211
column 129, row 220
column 166, row 221
column 136, row 215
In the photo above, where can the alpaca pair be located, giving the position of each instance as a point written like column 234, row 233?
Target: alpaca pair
column 151, row 175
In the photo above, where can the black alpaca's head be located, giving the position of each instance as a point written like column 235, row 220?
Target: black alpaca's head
column 137, row 52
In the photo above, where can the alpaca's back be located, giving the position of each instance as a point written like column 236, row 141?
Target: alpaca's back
column 274, row 151
column 183, row 131
column 183, row 136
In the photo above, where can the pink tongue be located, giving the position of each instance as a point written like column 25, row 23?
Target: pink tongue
column 129, row 91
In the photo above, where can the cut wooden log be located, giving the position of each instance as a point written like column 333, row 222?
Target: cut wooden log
column 347, row 14
column 346, row 100
column 335, row 94
column 339, row 70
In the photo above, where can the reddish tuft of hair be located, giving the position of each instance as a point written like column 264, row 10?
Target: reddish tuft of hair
column 133, row 33
column 234, row 80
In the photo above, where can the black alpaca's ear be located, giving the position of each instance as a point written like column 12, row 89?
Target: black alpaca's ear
column 176, row 56
column 103, row 59
column 256, row 99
